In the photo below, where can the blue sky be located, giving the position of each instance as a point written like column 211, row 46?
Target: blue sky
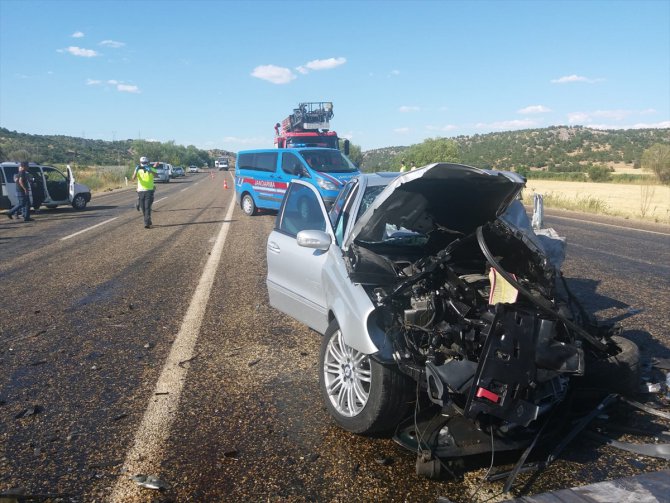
column 220, row 74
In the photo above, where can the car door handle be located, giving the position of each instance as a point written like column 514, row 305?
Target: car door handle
column 273, row 247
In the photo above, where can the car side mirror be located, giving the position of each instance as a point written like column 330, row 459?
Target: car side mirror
column 318, row 240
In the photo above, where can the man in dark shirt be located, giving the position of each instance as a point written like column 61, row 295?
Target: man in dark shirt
column 22, row 193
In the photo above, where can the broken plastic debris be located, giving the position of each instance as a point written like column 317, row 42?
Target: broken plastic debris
column 650, row 387
column 149, row 482
column 30, row 411
column 230, row 453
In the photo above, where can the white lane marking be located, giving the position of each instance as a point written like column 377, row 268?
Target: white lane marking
column 147, row 451
column 88, row 229
column 161, row 199
column 608, row 225
column 598, row 250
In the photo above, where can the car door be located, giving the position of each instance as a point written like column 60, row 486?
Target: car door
column 70, row 177
column 294, row 277
column 56, row 186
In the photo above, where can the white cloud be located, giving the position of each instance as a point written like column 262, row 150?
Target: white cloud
column 639, row 125
column 274, row 74
column 612, row 114
column 120, row 86
column 647, row 111
column 406, row 109
column 513, row 124
column 112, row 43
column 78, row 51
column 578, row 118
column 617, row 115
column 325, row 64
column 401, row 130
column 574, row 78
column 442, row 129
column 320, row 64
column 126, row 88
column 244, row 141
column 394, row 73
column 534, row 109
column 77, row 34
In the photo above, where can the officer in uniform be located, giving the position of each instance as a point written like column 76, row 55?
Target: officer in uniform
column 145, row 188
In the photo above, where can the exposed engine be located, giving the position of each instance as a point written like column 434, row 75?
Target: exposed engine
column 480, row 326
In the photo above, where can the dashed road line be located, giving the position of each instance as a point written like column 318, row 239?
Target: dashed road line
column 88, row 229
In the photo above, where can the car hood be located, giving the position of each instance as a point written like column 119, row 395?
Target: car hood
column 453, row 198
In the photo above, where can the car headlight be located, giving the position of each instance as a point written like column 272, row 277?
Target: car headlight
column 326, row 185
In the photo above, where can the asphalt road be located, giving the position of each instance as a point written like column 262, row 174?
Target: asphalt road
column 127, row 351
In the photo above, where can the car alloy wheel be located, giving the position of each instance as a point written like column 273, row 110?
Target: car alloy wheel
column 347, row 376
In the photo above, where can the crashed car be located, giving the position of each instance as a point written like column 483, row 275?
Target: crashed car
column 431, row 287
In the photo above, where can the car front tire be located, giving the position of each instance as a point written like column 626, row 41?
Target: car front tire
column 362, row 395
column 79, row 202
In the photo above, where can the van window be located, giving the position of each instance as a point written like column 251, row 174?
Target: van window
column 258, row 161
column 290, row 164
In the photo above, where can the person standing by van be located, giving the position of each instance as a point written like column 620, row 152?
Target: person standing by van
column 22, row 193
column 145, row 188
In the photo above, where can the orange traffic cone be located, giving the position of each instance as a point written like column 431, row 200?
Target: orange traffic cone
column 225, row 184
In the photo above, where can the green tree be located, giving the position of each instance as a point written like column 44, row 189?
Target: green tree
column 355, row 154
column 433, row 150
column 657, row 159
column 599, row 173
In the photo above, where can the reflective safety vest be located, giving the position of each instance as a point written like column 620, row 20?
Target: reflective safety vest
column 145, row 178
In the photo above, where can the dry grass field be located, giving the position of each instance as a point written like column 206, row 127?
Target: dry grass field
column 645, row 202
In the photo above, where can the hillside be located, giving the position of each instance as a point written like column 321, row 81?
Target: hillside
column 58, row 149
column 558, row 148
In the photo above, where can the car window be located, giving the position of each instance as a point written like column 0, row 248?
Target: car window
column 11, row 172
column 341, row 210
column 369, row 195
column 53, row 175
column 301, row 211
column 290, row 163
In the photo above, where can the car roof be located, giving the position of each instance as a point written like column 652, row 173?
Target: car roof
column 378, row 178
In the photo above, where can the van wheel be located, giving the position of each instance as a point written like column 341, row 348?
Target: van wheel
column 79, row 202
column 248, row 205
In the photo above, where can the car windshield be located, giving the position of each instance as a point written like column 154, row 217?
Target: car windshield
column 328, row 161
column 392, row 234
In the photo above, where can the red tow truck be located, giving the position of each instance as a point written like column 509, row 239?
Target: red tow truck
column 309, row 126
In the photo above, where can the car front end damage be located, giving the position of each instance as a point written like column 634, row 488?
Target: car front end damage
column 470, row 303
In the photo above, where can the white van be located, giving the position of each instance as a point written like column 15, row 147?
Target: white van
column 59, row 189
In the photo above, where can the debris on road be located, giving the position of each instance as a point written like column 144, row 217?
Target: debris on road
column 149, row 482
column 30, row 411
column 188, row 360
